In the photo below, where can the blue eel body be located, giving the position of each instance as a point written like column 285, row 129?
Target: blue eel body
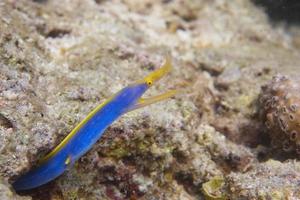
column 86, row 134
column 83, row 140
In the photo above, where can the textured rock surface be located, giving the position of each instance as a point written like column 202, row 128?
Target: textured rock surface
column 59, row 59
column 266, row 181
column 279, row 110
column 7, row 194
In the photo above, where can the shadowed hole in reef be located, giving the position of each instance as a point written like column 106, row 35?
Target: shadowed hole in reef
column 5, row 122
column 54, row 32
column 100, row 1
column 186, row 179
column 281, row 10
column 40, row 1
column 57, row 33
column 46, row 192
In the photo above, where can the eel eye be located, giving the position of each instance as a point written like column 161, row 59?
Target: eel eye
column 149, row 83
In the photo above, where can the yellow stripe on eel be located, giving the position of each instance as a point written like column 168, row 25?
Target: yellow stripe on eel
column 73, row 132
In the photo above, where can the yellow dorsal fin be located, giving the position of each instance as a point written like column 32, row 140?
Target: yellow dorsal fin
column 74, row 131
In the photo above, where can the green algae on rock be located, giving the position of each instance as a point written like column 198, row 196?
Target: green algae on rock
column 212, row 189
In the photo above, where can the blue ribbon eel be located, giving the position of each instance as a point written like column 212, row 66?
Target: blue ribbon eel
column 90, row 129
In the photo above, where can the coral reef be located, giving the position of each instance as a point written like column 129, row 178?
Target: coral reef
column 61, row 58
column 279, row 111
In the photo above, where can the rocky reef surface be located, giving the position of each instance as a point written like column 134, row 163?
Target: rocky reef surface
column 59, row 59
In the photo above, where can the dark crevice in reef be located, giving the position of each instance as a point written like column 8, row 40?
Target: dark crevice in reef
column 46, row 192
column 5, row 122
column 57, row 33
column 287, row 11
column 40, row 1
column 186, row 179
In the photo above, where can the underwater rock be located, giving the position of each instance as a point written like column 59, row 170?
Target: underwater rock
column 268, row 180
column 7, row 194
column 280, row 111
column 61, row 58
